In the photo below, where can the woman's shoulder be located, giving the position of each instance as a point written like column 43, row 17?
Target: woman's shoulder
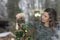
column 58, row 30
column 57, row 26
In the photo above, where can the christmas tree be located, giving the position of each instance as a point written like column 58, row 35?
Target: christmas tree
column 23, row 32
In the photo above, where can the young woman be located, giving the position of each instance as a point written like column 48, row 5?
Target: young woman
column 46, row 29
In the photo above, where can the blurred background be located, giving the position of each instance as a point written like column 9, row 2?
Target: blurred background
column 30, row 8
column 10, row 8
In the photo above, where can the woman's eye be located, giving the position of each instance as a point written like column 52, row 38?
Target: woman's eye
column 45, row 16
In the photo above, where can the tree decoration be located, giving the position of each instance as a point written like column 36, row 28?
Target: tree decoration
column 24, row 32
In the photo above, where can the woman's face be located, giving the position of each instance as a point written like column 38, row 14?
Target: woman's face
column 45, row 17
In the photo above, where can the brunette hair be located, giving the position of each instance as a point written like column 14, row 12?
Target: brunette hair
column 52, row 16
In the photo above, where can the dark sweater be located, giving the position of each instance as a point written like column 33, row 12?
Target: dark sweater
column 42, row 32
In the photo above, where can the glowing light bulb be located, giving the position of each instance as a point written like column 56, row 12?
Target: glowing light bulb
column 37, row 14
